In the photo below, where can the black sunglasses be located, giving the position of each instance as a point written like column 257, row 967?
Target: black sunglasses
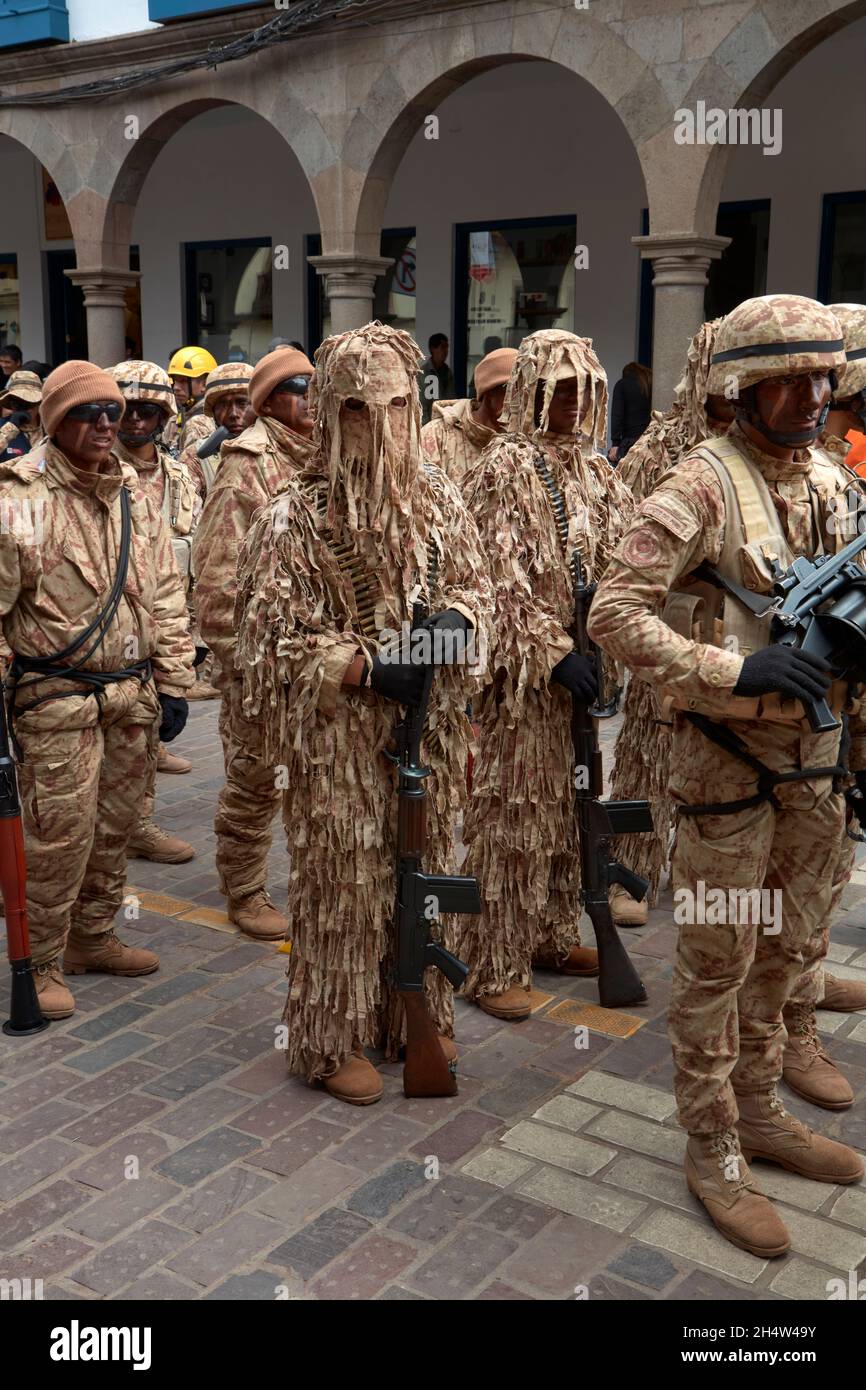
column 145, row 410
column 293, row 386
column 91, row 414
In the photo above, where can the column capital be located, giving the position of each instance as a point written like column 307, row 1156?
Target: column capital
column 104, row 286
column 347, row 274
column 680, row 258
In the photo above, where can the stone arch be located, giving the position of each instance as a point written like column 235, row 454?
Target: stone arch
column 36, row 132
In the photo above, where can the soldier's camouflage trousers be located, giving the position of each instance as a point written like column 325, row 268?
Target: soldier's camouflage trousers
column 247, row 803
column 81, row 791
column 733, row 977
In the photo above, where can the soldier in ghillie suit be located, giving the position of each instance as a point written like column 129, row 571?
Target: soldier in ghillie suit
column 459, row 431
column 758, row 813
column 334, row 564
column 642, row 754
column 520, row 819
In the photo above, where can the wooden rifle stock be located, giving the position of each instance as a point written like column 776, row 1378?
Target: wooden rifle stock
column 25, row 1015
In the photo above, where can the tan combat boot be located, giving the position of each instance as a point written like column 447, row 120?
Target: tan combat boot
column 625, row 910
column 148, row 841
column 106, row 955
column 580, row 960
column 257, row 917
column 54, row 995
column 806, row 1067
column 843, row 996
column 718, row 1175
column 512, row 1004
column 202, row 690
column 171, row 762
column 767, row 1131
column 357, row 1082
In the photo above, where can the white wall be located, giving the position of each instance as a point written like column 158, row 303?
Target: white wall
column 22, row 232
column 99, row 19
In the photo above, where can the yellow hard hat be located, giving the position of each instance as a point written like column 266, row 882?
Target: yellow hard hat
column 191, row 362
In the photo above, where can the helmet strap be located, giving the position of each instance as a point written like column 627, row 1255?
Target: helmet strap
column 746, row 409
column 136, row 440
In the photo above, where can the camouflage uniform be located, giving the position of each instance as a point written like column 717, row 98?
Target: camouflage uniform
column 86, row 761
column 253, row 468
column 229, row 378
column 731, row 981
column 304, row 617
column 453, row 439
column 520, row 820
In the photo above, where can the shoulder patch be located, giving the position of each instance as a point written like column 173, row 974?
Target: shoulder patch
column 672, row 513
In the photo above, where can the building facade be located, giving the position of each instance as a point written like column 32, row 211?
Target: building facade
column 481, row 169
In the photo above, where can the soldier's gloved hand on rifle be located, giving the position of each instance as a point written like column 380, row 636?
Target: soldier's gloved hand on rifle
column 402, row 681
column 795, row 674
column 174, row 716
column 445, row 653
column 577, row 674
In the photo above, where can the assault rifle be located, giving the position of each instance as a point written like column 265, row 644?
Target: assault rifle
column 837, row 633
column 213, row 443
column 25, row 1015
column 599, row 821
column 420, row 898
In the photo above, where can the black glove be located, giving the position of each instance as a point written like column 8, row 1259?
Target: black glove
column 792, row 673
column 577, row 674
column 860, row 779
column 174, row 717
column 447, row 652
column 398, row 680
column 200, row 654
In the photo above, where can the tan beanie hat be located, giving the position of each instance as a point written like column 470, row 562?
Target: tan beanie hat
column 75, row 383
column 494, row 370
column 274, row 368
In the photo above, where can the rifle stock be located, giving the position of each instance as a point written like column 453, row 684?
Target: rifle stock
column 25, row 1015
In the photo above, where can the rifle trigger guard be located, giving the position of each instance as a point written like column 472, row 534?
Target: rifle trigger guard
column 416, row 774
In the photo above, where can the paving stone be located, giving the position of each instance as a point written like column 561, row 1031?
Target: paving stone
column 122, row 1045
column 458, row 1137
column 603, row 1289
column 644, row 1266
column 365, row 1269
column 105, row 1170
column 520, row 1092
column 252, row 1042
column 208, row 1205
column 700, row 1287
column 16, row 1063
column 850, row 1207
column 205, row 1156
column 497, row 1166
column 652, row 1180
column 700, row 1243
column 183, row 1047
column 227, row 962
column 321, row 1241
column 791, row 1188
column 442, row 1208
column 43, row 1259
column 569, row 1151
column 630, row 1132
column 205, row 1108
column 21, row 1099
column 168, row 991
column 31, row 1215
column 564, row 1060
column 631, row 1058
column 824, row 1240
column 121, row 1115
column 273, row 1116
column 165, row 1022
column 625, row 1095
column 128, row 1258
column 800, row 1279
column 131, row 1201
column 498, row 1056
column 432, row 1110
column 111, row 1085
column 455, row 1269
column 250, row 1008
column 265, row 1074
column 379, row 1141
column 566, row 1113
column 238, row 985
column 377, row 1197
column 311, row 1187
column 394, row 1294
column 297, row 1147
column 183, row 1081
column 497, row 1292
column 95, row 1029
column 41, row 1123
column 579, row 1197
column 157, row 1287
column 32, row 1166
column 258, row 1287
column 233, row 1243
column 514, row 1217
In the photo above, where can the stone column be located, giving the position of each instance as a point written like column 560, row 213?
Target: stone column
column 104, row 302
column 350, row 282
column 680, row 264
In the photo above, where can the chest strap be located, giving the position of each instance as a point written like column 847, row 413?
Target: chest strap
column 768, row 780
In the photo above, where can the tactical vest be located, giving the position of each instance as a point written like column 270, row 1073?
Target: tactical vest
column 754, row 538
column 178, row 498
column 209, row 471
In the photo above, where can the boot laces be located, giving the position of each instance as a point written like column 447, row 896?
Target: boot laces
column 727, row 1147
column 806, row 1030
column 777, row 1108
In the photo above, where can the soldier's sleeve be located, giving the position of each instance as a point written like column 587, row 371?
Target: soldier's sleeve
column 464, row 582
column 221, row 531
column 10, row 580
column 666, row 540
column 291, row 654
column 190, row 459
column 527, row 636
column 173, row 669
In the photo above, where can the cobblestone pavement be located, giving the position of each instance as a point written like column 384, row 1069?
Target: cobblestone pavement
column 152, row 1146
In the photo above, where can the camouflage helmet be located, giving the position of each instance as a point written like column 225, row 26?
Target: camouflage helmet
column 145, row 381
column 774, row 335
column 226, row 379
column 852, row 377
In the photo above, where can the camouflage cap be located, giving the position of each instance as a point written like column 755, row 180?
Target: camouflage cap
column 145, row 381
column 23, row 386
column 226, row 379
column 774, row 335
column 852, row 377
